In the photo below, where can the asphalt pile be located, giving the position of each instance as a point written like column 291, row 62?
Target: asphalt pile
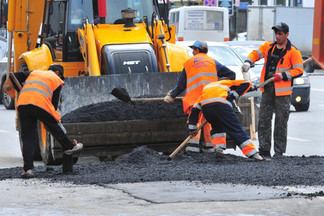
column 146, row 165
column 119, row 111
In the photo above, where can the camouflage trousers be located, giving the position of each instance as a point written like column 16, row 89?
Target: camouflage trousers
column 280, row 105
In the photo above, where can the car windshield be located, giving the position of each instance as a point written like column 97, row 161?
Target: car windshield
column 244, row 51
column 224, row 55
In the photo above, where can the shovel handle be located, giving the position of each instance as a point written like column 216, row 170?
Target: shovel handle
column 153, row 99
column 272, row 78
column 185, row 142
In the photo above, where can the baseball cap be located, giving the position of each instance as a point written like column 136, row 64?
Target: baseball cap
column 57, row 67
column 199, row 44
column 281, row 27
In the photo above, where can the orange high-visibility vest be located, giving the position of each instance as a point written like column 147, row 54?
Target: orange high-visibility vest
column 218, row 91
column 38, row 90
column 200, row 70
column 292, row 59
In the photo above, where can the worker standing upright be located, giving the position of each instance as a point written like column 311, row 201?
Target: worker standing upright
column 38, row 100
column 283, row 62
column 198, row 71
column 215, row 103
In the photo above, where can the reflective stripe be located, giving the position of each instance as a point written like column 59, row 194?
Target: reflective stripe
column 208, row 144
column 288, row 75
column 283, row 89
column 197, row 106
column 192, row 149
column 297, row 66
column 280, row 69
column 248, row 59
column 197, row 85
column 245, row 143
column 210, row 100
column 221, row 145
column 218, row 85
column 27, row 89
column 194, row 141
column 236, row 94
column 254, row 151
column 192, row 127
column 40, row 83
column 62, row 127
column 259, row 53
column 210, row 74
column 218, row 135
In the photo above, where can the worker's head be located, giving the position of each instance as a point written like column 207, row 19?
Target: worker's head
column 199, row 47
column 281, row 31
column 58, row 70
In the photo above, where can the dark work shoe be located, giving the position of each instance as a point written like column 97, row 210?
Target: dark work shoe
column 265, row 154
column 191, row 153
column 278, row 155
column 219, row 153
column 77, row 147
column 28, row 174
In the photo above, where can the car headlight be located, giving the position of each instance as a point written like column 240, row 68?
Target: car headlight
column 301, row 80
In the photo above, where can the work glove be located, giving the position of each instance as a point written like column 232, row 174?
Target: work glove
column 246, row 67
column 253, row 88
column 168, row 98
column 277, row 77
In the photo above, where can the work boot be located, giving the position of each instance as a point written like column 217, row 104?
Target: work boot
column 278, row 156
column 219, row 153
column 77, row 147
column 257, row 157
column 28, row 174
column 208, row 150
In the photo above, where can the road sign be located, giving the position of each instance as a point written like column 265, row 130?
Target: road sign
column 212, row 3
column 228, row 4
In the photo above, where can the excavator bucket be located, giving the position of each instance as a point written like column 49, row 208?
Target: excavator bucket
column 108, row 126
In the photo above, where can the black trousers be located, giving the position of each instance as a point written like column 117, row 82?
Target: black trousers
column 28, row 116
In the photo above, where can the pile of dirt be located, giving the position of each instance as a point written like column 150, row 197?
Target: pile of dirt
column 119, row 111
column 146, row 165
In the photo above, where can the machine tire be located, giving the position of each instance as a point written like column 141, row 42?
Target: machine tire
column 7, row 101
column 302, row 107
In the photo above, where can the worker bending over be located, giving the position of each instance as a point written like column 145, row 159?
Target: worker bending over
column 38, row 100
column 215, row 104
column 198, row 71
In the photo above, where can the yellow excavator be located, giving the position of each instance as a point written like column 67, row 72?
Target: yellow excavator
column 103, row 44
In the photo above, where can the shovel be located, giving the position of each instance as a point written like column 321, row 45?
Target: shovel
column 272, row 78
column 185, row 142
column 122, row 94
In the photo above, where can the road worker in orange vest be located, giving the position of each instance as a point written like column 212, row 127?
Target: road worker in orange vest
column 284, row 62
column 215, row 104
column 198, row 71
column 38, row 100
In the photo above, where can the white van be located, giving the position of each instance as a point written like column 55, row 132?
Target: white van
column 200, row 23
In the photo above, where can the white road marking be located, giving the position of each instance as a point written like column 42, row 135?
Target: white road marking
column 4, row 131
column 298, row 139
column 317, row 89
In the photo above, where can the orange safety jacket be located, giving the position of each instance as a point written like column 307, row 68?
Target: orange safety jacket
column 200, row 70
column 38, row 90
column 218, row 91
column 290, row 62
